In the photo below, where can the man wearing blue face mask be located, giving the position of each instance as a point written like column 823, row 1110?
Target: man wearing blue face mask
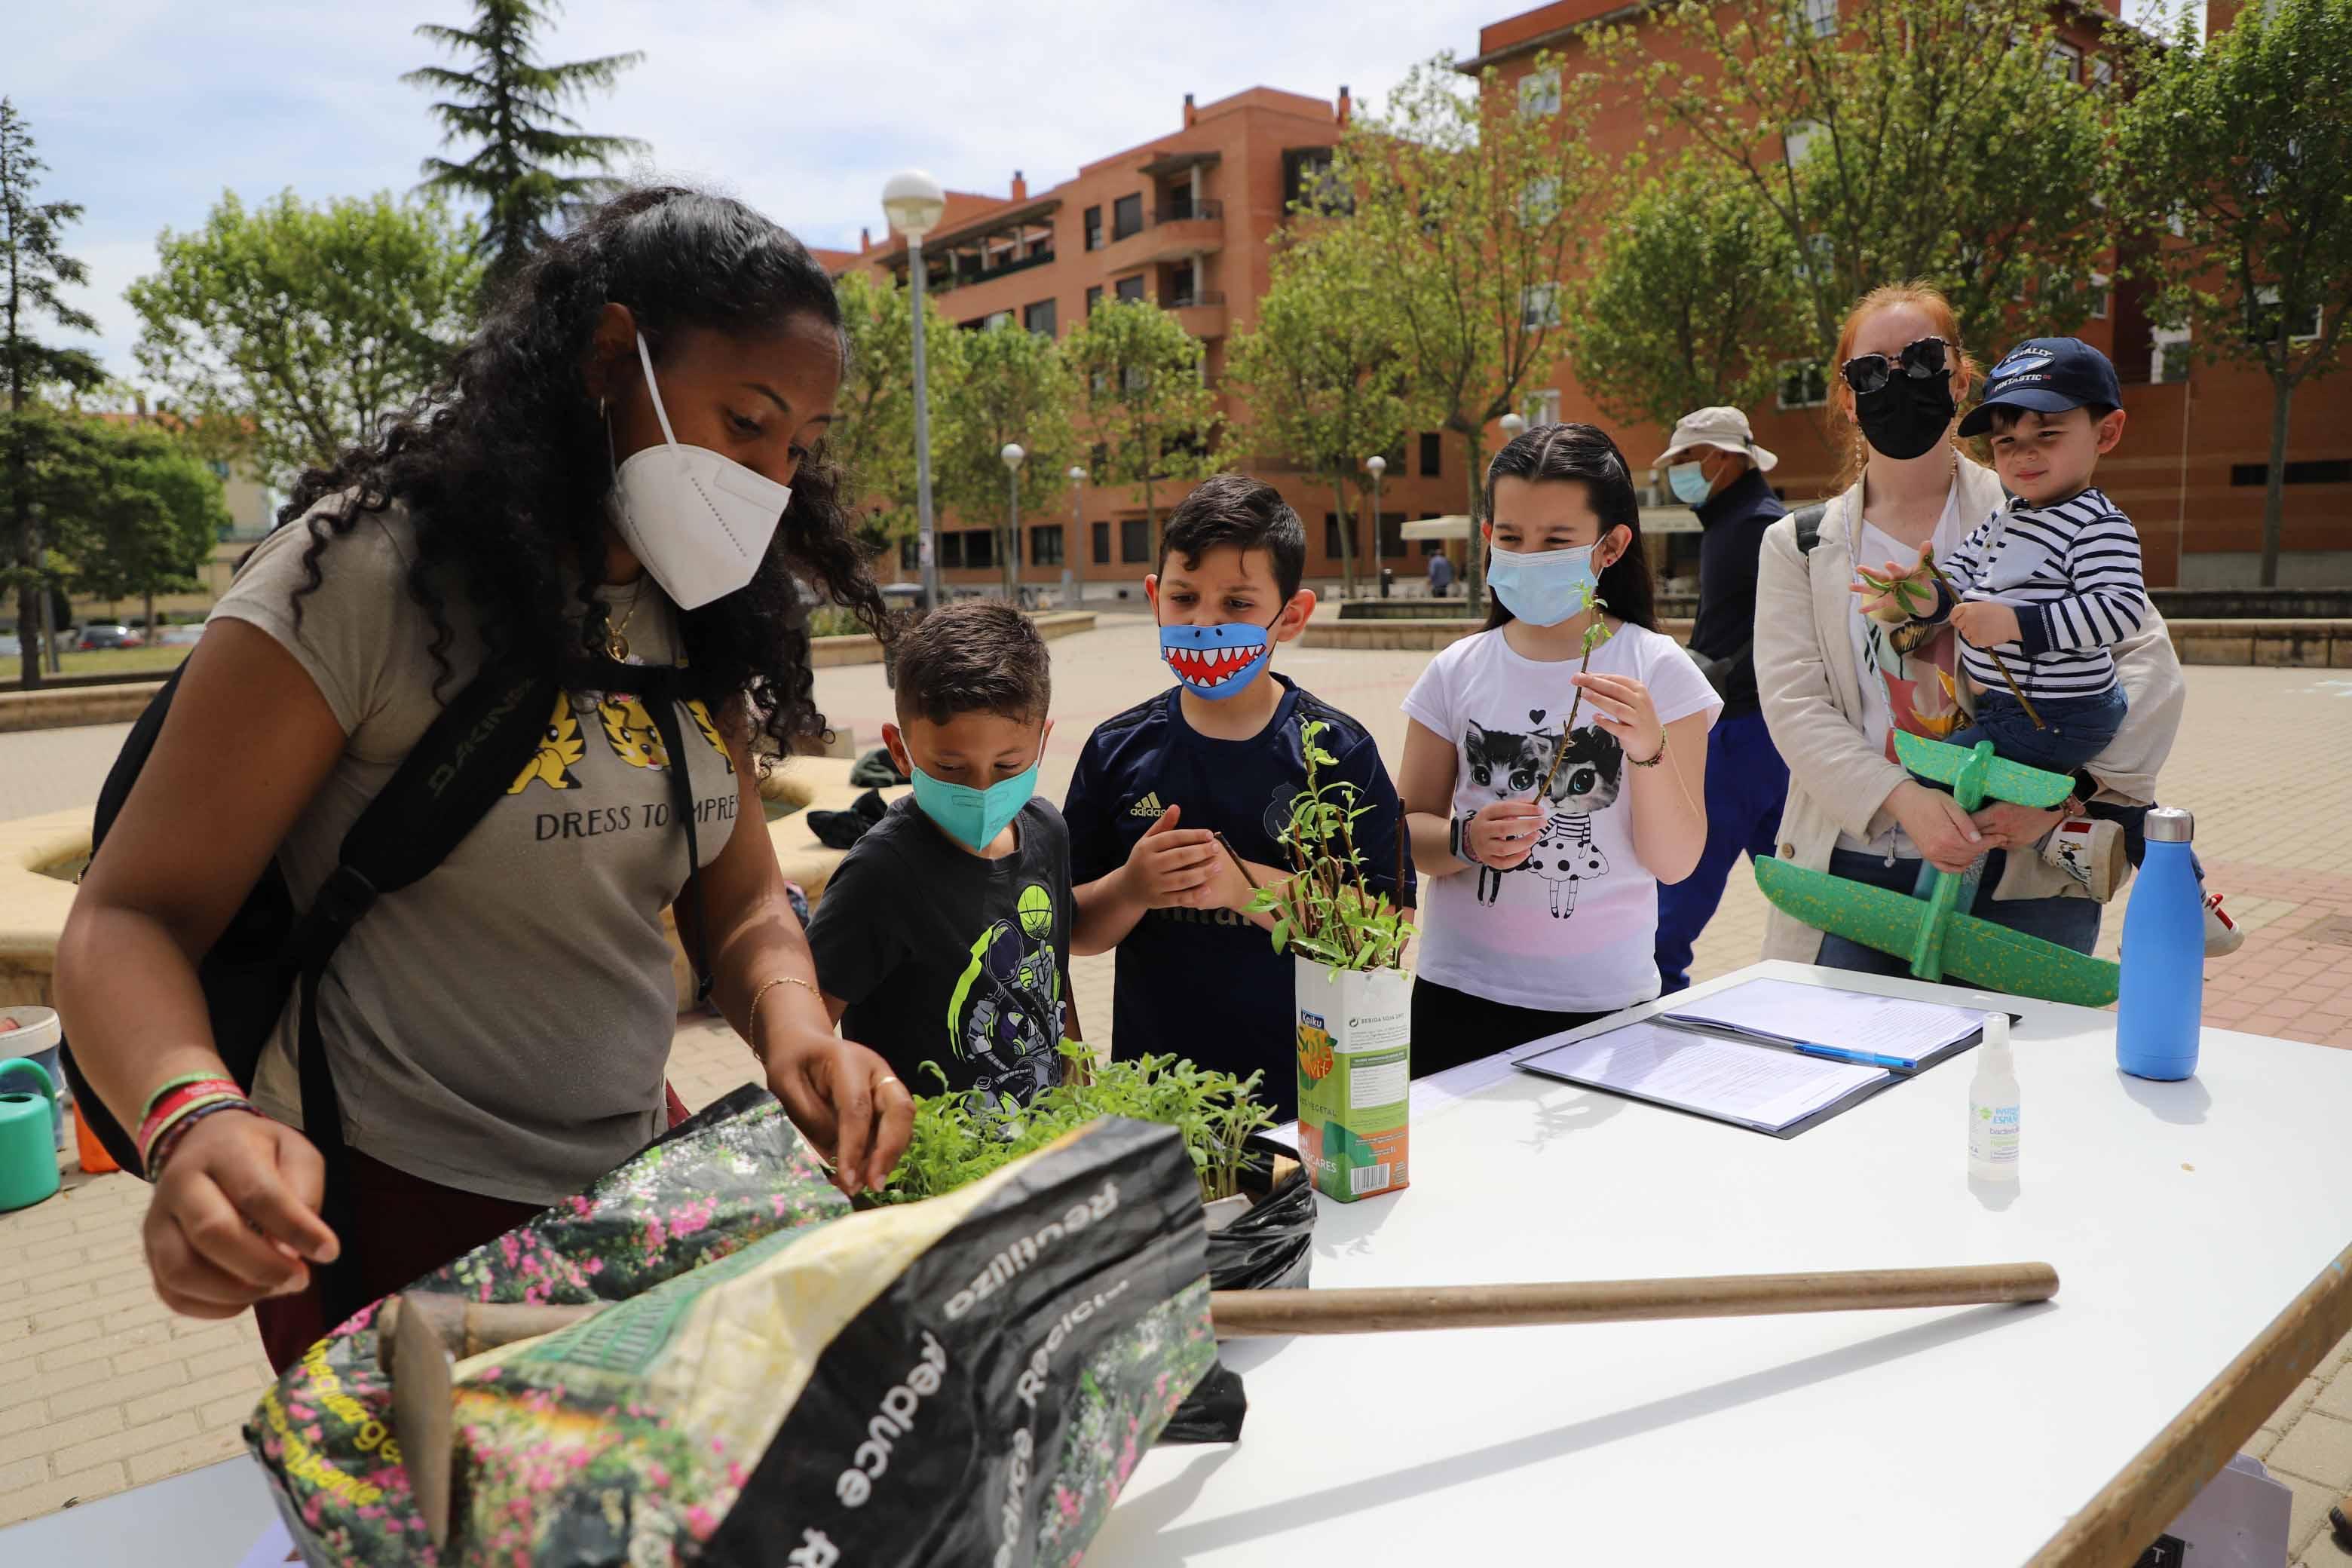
column 945, row 936
column 1714, row 467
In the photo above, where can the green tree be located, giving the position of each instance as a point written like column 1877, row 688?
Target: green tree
column 36, row 269
column 1694, row 302
column 1323, row 373
column 149, row 519
column 304, row 329
column 1469, row 208
column 1012, row 387
column 2242, row 147
column 1945, row 140
column 874, row 433
column 526, row 166
column 1146, row 400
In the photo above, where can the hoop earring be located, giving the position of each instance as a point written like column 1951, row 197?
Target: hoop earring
column 600, row 410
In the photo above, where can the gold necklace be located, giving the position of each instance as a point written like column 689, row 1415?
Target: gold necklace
column 616, row 643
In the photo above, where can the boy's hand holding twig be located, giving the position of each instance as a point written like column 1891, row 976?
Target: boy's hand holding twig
column 1986, row 622
column 1170, row 865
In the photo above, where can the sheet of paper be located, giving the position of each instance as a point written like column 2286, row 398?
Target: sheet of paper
column 1750, row 1084
column 1848, row 1020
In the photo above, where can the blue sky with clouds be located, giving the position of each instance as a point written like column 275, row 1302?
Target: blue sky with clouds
column 146, row 110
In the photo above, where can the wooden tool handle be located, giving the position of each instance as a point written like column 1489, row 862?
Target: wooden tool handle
column 469, row 1328
column 1244, row 1314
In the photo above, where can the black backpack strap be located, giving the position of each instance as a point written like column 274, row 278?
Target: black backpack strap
column 660, row 688
column 465, row 760
column 1809, row 526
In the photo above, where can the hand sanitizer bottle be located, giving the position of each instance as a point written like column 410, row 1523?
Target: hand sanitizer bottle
column 1992, row 1106
column 2163, row 992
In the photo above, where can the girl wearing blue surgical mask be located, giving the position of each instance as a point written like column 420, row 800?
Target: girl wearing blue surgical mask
column 1551, row 789
column 610, row 504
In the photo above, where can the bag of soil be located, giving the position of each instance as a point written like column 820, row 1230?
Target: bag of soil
column 965, row 1380
column 1270, row 1247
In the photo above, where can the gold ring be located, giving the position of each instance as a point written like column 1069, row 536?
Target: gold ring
column 880, row 1081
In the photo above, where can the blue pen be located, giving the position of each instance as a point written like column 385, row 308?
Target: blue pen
column 1855, row 1059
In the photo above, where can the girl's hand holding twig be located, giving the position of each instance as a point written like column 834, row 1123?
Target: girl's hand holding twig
column 1621, row 705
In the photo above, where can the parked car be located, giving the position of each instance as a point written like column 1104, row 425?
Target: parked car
column 105, row 634
column 179, row 637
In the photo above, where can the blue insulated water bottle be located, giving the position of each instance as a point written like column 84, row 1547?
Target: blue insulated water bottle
column 2164, row 956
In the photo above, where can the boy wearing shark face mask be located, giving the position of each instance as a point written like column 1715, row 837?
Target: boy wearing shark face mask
column 1218, row 754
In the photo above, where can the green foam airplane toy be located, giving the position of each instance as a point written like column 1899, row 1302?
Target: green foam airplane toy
column 1930, row 932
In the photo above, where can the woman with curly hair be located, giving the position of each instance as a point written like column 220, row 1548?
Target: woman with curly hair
column 625, row 467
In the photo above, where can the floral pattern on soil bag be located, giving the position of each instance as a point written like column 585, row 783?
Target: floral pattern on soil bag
column 710, row 1186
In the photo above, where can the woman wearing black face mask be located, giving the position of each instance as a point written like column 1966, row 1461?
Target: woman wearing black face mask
column 1835, row 685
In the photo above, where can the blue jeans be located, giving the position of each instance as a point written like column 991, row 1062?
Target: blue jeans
column 1747, row 784
column 2079, row 729
column 2069, row 923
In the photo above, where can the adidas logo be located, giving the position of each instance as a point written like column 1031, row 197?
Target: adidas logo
column 1147, row 806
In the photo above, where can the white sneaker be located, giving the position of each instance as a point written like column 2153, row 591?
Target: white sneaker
column 2222, row 936
column 2090, row 849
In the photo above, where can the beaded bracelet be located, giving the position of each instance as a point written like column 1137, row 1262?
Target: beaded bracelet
column 174, row 1100
column 160, row 1153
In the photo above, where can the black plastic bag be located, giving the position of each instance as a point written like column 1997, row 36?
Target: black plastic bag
column 876, row 770
column 1271, row 1247
column 842, row 829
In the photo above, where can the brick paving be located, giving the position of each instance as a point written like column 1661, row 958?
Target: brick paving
column 101, row 1389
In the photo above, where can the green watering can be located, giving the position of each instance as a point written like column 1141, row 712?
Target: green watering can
column 28, row 1149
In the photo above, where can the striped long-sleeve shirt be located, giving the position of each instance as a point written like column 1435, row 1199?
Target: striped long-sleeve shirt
column 2072, row 574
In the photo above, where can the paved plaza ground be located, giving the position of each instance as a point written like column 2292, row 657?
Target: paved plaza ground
column 101, row 1389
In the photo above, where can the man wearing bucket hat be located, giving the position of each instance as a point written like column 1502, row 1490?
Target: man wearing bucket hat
column 1713, row 466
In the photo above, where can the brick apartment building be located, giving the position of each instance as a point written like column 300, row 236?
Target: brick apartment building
column 1182, row 219
column 2193, row 464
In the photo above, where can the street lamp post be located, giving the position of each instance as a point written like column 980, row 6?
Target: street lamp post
column 913, row 203
column 1378, row 466
column 1077, row 533
column 1012, row 454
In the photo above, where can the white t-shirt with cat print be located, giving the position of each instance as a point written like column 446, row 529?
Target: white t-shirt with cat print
column 1572, row 928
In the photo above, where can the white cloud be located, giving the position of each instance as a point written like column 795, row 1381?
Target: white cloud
column 147, row 110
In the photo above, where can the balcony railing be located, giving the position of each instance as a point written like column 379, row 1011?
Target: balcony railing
column 1208, row 209
column 941, row 283
column 1191, row 297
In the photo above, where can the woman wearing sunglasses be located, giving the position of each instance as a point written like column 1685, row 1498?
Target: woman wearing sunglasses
column 1836, row 684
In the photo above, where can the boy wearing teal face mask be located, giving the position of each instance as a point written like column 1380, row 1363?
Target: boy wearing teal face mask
column 1218, row 754
column 945, row 935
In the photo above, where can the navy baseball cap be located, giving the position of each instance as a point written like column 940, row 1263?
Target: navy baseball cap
column 2048, row 376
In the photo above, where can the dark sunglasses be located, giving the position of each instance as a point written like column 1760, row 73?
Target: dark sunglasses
column 1921, row 361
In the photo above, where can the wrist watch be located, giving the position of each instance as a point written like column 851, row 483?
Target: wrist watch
column 1459, row 841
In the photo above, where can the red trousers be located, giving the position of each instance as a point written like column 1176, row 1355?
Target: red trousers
column 406, row 1228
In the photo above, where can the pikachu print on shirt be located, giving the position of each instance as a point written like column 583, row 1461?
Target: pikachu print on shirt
column 600, row 753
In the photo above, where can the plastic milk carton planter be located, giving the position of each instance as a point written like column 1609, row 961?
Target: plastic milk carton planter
column 1355, row 1066
column 1347, row 944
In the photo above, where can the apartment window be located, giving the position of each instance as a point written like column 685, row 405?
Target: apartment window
column 1540, row 408
column 1098, row 458
column 2167, row 357
column 1094, row 297
column 1131, row 288
column 1540, row 306
column 1432, row 452
column 1391, row 536
column 1045, row 545
column 1094, row 228
column 1135, row 541
column 1804, row 384
column 1540, row 202
column 2064, row 61
column 996, row 319
column 2313, row 471
column 1331, row 537
column 1306, row 180
column 1539, row 93
column 1039, row 318
column 979, row 547
column 1818, row 260
column 1127, row 217
column 2266, row 319
column 1800, row 140
column 1813, row 18
column 1102, row 544
column 951, row 549
column 2099, row 72
column 2102, row 296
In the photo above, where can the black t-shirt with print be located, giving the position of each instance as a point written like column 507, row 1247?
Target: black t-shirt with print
column 943, row 956
column 1207, row 984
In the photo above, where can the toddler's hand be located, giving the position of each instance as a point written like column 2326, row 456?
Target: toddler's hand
column 1984, row 623
column 1896, row 595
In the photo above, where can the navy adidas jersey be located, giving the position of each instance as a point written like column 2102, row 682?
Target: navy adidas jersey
column 1207, row 984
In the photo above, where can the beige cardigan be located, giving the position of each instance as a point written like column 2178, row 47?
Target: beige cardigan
column 1812, row 695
